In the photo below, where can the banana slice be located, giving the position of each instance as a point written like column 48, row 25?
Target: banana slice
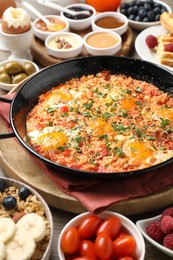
column 20, row 247
column 34, row 225
column 7, row 229
column 2, row 251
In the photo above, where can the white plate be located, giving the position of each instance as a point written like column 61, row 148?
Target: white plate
column 142, row 224
column 142, row 49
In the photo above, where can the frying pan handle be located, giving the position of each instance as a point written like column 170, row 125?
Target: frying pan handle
column 6, row 135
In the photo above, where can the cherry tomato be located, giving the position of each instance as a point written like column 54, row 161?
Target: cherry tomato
column 87, row 249
column 103, row 6
column 89, row 226
column 83, row 258
column 64, row 109
column 103, row 247
column 124, row 246
column 110, row 226
column 70, row 241
column 126, row 258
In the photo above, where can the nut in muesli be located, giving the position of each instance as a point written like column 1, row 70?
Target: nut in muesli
column 25, row 228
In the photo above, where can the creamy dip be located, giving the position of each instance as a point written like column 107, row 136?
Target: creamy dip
column 64, row 42
column 102, row 40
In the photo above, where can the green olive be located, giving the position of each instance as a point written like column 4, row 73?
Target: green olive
column 19, row 77
column 5, row 78
column 13, row 68
column 29, row 68
column 2, row 69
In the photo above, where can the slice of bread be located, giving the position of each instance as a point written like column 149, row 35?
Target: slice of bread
column 165, row 57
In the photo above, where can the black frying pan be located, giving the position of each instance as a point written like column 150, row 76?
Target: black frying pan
column 51, row 76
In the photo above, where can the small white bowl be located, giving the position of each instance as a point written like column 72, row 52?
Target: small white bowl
column 119, row 29
column 8, row 87
column 75, row 40
column 102, row 37
column 14, row 183
column 139, row 26
column 125, row 222
column 42, row 35
column 142, row 224
column 80, row 24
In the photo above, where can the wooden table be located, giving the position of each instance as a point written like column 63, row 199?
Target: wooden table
column 61, row 217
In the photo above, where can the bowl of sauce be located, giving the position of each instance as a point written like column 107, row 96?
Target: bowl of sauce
column 64, row 45
column 42, row 31
column 79, row 22
column 102, row 42
column 113, row 21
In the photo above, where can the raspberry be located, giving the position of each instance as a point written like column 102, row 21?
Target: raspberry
column 151, row 41
column 167, row 212
column 166, row 224
column 168, row 241
column 155, row 232
column 168, row 47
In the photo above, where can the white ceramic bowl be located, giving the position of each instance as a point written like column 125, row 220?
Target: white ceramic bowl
column 64, row 53
column 8, row 87
column 120, row 29
column 139, row 26
column 42, row 35
column 125, row 222
column 44, row 9
column 142, row 224
column 103, row 38
column 80, row 24
column 10, row 182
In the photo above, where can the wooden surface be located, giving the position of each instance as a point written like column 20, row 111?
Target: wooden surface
column 40, row 54
column 61, row 217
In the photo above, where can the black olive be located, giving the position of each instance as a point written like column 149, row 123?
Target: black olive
column 23, row 193
column 9, row 202
column 2, row 185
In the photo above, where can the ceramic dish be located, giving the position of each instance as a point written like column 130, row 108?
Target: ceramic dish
column 142, row 224
column 143, row 50
column 64, row 45
column 139, row 26
column 80, row 24
column 8, row 87
column 27, row 205
column 126, row 223
column 121, row 22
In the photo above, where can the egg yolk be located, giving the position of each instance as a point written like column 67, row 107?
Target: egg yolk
column 165, row 114
column 128, row 103
column 51, row 141
column 139, row 151
column 100, row 126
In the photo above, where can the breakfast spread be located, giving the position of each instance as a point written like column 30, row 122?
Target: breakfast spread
column 15, row 21
column 103, row 123
column 24, row 228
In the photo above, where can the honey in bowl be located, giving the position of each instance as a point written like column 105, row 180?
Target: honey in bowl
column 58, row 25
column 109, row 22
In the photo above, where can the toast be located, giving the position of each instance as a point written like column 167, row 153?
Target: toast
column 165, row 57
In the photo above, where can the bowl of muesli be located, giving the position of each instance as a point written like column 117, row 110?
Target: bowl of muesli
column 26, row 225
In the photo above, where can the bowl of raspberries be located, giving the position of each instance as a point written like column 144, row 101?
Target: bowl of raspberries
column 159, row 231
column 142, row 14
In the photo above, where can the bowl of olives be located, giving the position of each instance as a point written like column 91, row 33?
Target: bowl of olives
column 142, row 14
column 13, row 72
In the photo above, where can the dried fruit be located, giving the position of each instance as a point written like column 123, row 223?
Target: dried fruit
column 151, row 41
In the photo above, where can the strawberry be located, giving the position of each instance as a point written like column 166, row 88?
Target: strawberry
column 168, row 241
column 151, row 41
column 155, row 232
column 168, row 47
column 167, row 212
column 167, row 224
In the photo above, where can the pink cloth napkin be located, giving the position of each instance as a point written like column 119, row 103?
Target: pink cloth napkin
column 97, row 195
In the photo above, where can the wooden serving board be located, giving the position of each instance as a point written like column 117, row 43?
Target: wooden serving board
column 39, row 53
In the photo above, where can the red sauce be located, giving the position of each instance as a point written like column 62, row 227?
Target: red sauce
column 109, row 22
